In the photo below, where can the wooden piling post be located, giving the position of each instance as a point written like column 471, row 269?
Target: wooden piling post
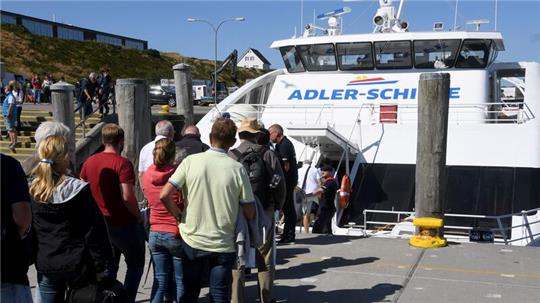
column 134, row 117
column 430, row 191
column 62, row 107
column 184, row 88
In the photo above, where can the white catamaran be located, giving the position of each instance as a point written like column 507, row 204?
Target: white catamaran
column 352, row 99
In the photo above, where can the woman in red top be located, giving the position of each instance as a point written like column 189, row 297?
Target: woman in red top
column 164, row 239
column 36, row 87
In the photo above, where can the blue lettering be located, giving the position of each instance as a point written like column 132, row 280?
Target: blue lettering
column 350, row 94
column 322, row 96
column 337, row 94
column 454, row 93
column 373, row 94
column 404, row 94
column 413, row 93
column 311, row 94
column 383, row 93
column 296, row 94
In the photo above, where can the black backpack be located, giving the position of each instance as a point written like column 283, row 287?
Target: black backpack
column 259, row 178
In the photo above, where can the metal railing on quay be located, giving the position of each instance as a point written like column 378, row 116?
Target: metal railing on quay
column 82, row 123
column 501, row 232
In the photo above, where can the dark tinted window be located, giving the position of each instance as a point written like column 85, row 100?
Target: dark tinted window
column 474, row 54
column 435, row 53
column 393, row 54
column 355, row 56
column 291, row 59
column 319, row 57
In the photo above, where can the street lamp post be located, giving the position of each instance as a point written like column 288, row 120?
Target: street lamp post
column 215, row 29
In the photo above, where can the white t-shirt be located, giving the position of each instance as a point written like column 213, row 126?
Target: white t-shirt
column 146, row 156
column 18, row 97
column 313, row 176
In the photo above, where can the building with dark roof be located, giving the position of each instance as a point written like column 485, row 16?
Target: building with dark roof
column 253, row 58
column 51, row 29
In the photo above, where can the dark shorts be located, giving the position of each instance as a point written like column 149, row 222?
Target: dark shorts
column 11, row 124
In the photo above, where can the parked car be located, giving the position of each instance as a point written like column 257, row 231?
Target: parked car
column 161, row 95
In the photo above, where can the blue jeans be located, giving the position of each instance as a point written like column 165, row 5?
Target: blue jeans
column 37, row 95
column 194, row 262
column 16, row 293
column 85, row 108
column 53, row 286
column 129, row 241
column 166, row 251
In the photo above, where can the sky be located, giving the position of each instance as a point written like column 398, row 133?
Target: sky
column 163, row 23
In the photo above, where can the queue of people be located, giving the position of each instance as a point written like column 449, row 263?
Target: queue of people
column 97, row 88
column 210, row 206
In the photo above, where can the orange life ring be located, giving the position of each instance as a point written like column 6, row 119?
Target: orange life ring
column 345, row 192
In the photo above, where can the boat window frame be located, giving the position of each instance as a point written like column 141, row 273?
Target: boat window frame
column 450, row 64
column 377, row 65
column 338, row 57
column 286, row 62
column 307, row 66
column 490, row 48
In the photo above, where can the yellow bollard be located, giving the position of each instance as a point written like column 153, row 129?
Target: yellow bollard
column 428, row 237
column 164, row 109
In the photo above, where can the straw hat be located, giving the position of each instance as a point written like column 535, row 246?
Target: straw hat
column 249, row 125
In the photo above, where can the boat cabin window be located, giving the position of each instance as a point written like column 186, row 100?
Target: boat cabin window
column 255, row 95
column 292, row 59
column 435, row 53
column 393, row 54
column 474, row 53
column 355, row 56
column 318, row 57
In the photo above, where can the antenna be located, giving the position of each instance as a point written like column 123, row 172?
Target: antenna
column 477, row 23
column 496, row 7
column 399, row 9
column 301, row 13
column 455, row 16
column 333, row 21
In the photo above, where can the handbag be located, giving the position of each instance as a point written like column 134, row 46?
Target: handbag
column 106, row 291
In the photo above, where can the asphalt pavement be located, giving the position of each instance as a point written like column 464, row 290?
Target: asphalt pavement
column 339, row 269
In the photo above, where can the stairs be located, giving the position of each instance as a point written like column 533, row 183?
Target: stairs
column 30, row 120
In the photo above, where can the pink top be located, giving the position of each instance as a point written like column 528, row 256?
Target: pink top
column 153, row 181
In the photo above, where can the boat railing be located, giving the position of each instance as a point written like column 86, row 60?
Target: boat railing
column 392, row 113
column 502, row 233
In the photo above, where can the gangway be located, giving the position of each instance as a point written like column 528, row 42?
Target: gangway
column 324, row 138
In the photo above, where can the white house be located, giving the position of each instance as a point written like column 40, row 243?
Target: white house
column 252, row 58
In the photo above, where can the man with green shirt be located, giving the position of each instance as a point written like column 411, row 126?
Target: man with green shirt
column 215, row 187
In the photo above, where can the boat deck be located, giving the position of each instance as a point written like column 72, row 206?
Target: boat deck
column 342, row 269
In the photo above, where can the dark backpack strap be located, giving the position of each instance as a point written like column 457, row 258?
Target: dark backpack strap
column 305, row 178
column 237, row 153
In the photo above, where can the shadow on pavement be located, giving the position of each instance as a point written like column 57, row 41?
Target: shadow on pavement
column 382, row 292
column 311, row 269
column 284, row 254
column 324, row 240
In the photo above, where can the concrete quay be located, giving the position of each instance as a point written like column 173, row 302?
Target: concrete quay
column 337, row 269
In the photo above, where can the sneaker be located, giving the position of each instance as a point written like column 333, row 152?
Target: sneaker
column 12, row 148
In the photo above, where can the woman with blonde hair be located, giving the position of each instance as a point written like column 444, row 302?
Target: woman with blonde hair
column 72, row 240
column 164, row 239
